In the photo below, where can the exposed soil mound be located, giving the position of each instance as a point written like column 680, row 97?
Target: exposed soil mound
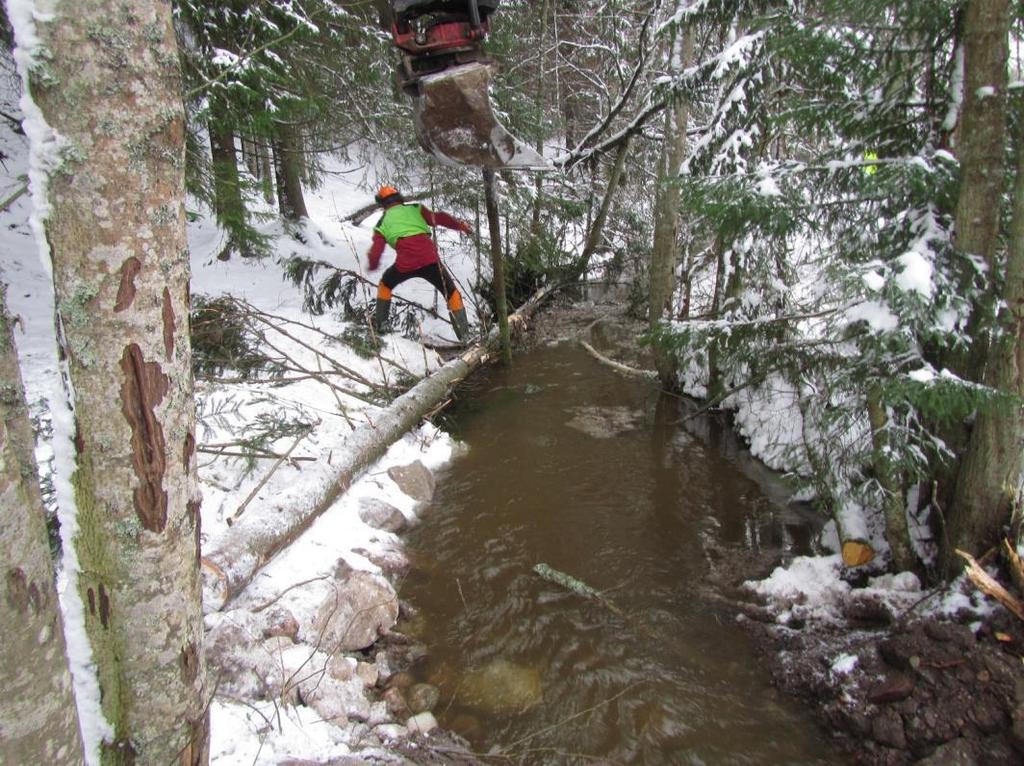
column 928, row 692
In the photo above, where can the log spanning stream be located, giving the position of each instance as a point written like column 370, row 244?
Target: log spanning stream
column 598, row 476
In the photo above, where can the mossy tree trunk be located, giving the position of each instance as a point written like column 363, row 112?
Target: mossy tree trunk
column 989, row 474
column 989, row 479
column 980, row 149
column 37, row 711
column 110, row 88
column 666, row 210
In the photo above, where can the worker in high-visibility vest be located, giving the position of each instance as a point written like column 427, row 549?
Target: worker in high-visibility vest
column 870, row 163
column 406, row 228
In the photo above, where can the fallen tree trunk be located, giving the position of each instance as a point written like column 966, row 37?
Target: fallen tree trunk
column 254, row 539
column 624, row 369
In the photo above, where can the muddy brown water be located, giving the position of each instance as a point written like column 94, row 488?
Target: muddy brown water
column 598, row 476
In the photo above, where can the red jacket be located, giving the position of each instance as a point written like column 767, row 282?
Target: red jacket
column 419, row 250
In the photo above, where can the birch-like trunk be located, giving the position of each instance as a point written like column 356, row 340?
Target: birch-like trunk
column 110, row 89
column 37, row 712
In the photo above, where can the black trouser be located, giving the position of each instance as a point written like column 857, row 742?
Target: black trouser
column 434, row 273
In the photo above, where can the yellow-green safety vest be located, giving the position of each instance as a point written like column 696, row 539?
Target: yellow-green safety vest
column 401, row 221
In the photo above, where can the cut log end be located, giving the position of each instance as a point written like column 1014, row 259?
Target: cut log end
column 857, row 553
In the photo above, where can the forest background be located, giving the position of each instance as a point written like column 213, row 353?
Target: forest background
column 814, row 204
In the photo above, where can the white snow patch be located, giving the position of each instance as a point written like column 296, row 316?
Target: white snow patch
column 916, row 275
column 810, row 583
column 878, row 316
column 844, row 664
column 874, row 281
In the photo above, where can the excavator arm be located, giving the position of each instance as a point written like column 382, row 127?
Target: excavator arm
column 445, row 71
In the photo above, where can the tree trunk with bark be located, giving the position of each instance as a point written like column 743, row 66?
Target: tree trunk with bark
column 666, row 211
column 981, row 141
column 227, row 191
column 116, row 230
column 288, row 159
column 897, row 532
column 266, row 171
column 595, row 233
column 497, row 264
column 988, row 476
column 990, row 473
column 37, row 711
column 716, row 386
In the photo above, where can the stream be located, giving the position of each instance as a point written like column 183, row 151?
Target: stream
column 603, row 478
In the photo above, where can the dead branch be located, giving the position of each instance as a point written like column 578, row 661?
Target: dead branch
column 1015, row 565
column 631, row 372
column 987, row 585
column 222, row 451
column 275, row 599
column 266, row 477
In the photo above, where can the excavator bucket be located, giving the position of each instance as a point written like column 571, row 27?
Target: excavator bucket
column 455, row 122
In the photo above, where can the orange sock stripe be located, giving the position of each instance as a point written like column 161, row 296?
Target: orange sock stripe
column 455, row 301
column 383, row 292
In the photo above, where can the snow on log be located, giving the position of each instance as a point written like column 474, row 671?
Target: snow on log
column 254, row 539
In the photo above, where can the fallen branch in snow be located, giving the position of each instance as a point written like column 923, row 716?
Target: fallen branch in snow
column 262, row 482
column 984, row 582
column 326, row 335
column 293, row 586
column 15, row 123
column 223, row 452
column 255, row 538
column 13, row 198
column 632, row 372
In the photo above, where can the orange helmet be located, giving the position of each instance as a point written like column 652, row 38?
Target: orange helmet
column 385, row 193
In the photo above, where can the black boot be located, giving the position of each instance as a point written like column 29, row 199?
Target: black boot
column 380, row 316
column 460, row 324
